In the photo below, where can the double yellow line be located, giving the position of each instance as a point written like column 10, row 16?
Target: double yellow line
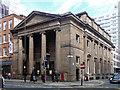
column 94, row 85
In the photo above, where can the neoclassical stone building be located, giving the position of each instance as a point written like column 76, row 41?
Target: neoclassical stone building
column 64, row 42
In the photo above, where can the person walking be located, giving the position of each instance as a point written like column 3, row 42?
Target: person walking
column 43, row 77
column 9, row 75
column 53, row 75
column 56, row 76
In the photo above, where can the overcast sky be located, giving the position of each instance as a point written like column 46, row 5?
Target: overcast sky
column 93, row 7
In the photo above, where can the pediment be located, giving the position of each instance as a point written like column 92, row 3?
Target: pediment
column 35, row 17
column 38, row 18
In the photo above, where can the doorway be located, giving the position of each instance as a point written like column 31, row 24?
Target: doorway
column 77, row 74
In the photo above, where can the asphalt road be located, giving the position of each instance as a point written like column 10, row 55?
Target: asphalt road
column 105, row 84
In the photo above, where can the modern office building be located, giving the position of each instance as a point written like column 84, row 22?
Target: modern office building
column 8, row 7
column 6, row 41
column 63, row 41
column 110, row 23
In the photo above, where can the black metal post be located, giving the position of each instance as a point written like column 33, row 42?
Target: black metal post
column 25, row 67
column 82, row 77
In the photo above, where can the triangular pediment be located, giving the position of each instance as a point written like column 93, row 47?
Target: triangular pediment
column 35, row 17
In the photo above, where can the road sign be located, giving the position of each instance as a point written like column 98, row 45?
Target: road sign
column 82, row 66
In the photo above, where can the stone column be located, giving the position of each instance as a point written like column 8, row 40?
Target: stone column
column 110, row 61
column 31, row 53
column 43, row 49
column 20, row 58
column 85, row 53
column 102, row 60
column 98, row 59
column 106, row 61
column 58, row 51
column 92, row 58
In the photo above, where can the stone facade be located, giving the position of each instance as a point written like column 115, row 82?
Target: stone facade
column 63, row 41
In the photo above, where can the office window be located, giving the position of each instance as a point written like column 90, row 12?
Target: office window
column 5, row 25
column 4, row 51
column 77, row 60
column 0, row 52
column 0, row 39
column 5, row 39
column 10, row 24
column 0, row 27
column 77, row 38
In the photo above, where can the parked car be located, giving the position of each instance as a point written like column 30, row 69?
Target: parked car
column 115, row 78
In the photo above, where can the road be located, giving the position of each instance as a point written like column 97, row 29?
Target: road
column 104, row 84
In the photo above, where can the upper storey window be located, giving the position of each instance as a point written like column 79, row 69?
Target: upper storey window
column 5, row 25
column 77, row 38
column 10, row 24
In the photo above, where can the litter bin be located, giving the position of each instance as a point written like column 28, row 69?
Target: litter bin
column 62, row 76
column 86, row 78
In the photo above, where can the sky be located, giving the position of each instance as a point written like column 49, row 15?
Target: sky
column 92, row 7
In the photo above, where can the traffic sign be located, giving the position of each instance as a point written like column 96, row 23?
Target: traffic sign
column 82, row 66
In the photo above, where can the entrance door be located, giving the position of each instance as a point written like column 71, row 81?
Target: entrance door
column 77, row 74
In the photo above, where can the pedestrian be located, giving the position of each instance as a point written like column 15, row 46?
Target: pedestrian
column 31, row 79
column 53, row 75
column 9, row 76
column 56, row 76
column 25, row 75
column 43, row 77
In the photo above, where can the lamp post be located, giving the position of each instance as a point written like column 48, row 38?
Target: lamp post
column 25, row 64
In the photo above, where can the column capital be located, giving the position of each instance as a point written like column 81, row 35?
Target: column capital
column 57, row 29
column 20, row 37
column 30, row 35
column 42, row 32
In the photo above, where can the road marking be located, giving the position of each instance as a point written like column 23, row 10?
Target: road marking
column 94, row 85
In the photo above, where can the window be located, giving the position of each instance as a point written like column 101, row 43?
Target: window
column 10, row 38
column 77, row 38
column 94, row 67
column 4, row 51
column 100, row 50
column 104, row 51
column 95, row 49
column 88, row 66
column 100, row 67
column 77, row 60
column 0, row 39
column 0, row 27
column 5, row 25
column 5, row 39
column 94, row 46
column 10, row 24
column 87, row 43
column 0, row 52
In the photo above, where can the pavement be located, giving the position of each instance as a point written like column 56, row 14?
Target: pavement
column 91, row 83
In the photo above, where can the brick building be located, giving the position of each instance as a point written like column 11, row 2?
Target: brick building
column 64, row 42
column 7, row 23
